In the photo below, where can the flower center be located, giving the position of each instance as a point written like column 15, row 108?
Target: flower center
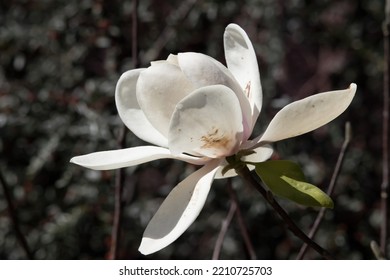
column 216, row 140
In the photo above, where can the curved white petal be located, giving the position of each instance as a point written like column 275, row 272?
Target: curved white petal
column 242, row 62
column 159, row 89
column 308, row 114
column 261, row 154
column 172, row 59
column 179, row 210
column 107, row 160
column 230, row 173
column 130, row 111
column 204, row 70
column 208, row 122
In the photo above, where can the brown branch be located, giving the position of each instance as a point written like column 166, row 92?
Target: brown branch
column 134, row 34
column 14, row 218
column 120, row 176
column 119, row 180
column 376, row 250
column 241, row 224
column 245, row 173
column 225, row 225
column 330, row 190
column 385, row 132
column 234, row 209
column 175, row 17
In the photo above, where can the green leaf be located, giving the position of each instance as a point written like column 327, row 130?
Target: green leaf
column 308, row 194
column 286, row 179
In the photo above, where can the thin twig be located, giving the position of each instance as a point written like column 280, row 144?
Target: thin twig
column 15, row 221
column 241, row 224
column 234, row 209
column 119, row 180
column 175, row 17
column 330, row 190
column 251, row 180
column 134, row 34
column 225, row 225
column 385, row 132
column 120, row 176
column 376, row 250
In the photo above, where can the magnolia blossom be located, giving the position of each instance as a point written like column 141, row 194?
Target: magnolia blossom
column 193, row 108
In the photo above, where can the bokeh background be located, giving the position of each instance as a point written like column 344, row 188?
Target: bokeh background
column 59, row 63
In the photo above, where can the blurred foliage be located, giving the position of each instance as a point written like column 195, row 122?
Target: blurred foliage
column 59, row 63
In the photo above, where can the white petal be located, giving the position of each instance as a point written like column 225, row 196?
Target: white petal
column 208, row 122
column 179, row 210
column 308, row 114
column 108, row 160
column 204, row 70
column 261, row 154
column 172, row 59
column 159, row 89
column 130, row 111
column 228, row 174
column 242, row 62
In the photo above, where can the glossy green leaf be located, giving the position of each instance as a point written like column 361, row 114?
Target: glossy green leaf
column 286, row 179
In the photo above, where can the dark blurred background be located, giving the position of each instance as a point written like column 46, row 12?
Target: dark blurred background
column 59, row 63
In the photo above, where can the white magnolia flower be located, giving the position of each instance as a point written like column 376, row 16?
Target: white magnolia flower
column 193, row 108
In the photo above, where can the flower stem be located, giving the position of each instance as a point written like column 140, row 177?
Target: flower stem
column 245, row 173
